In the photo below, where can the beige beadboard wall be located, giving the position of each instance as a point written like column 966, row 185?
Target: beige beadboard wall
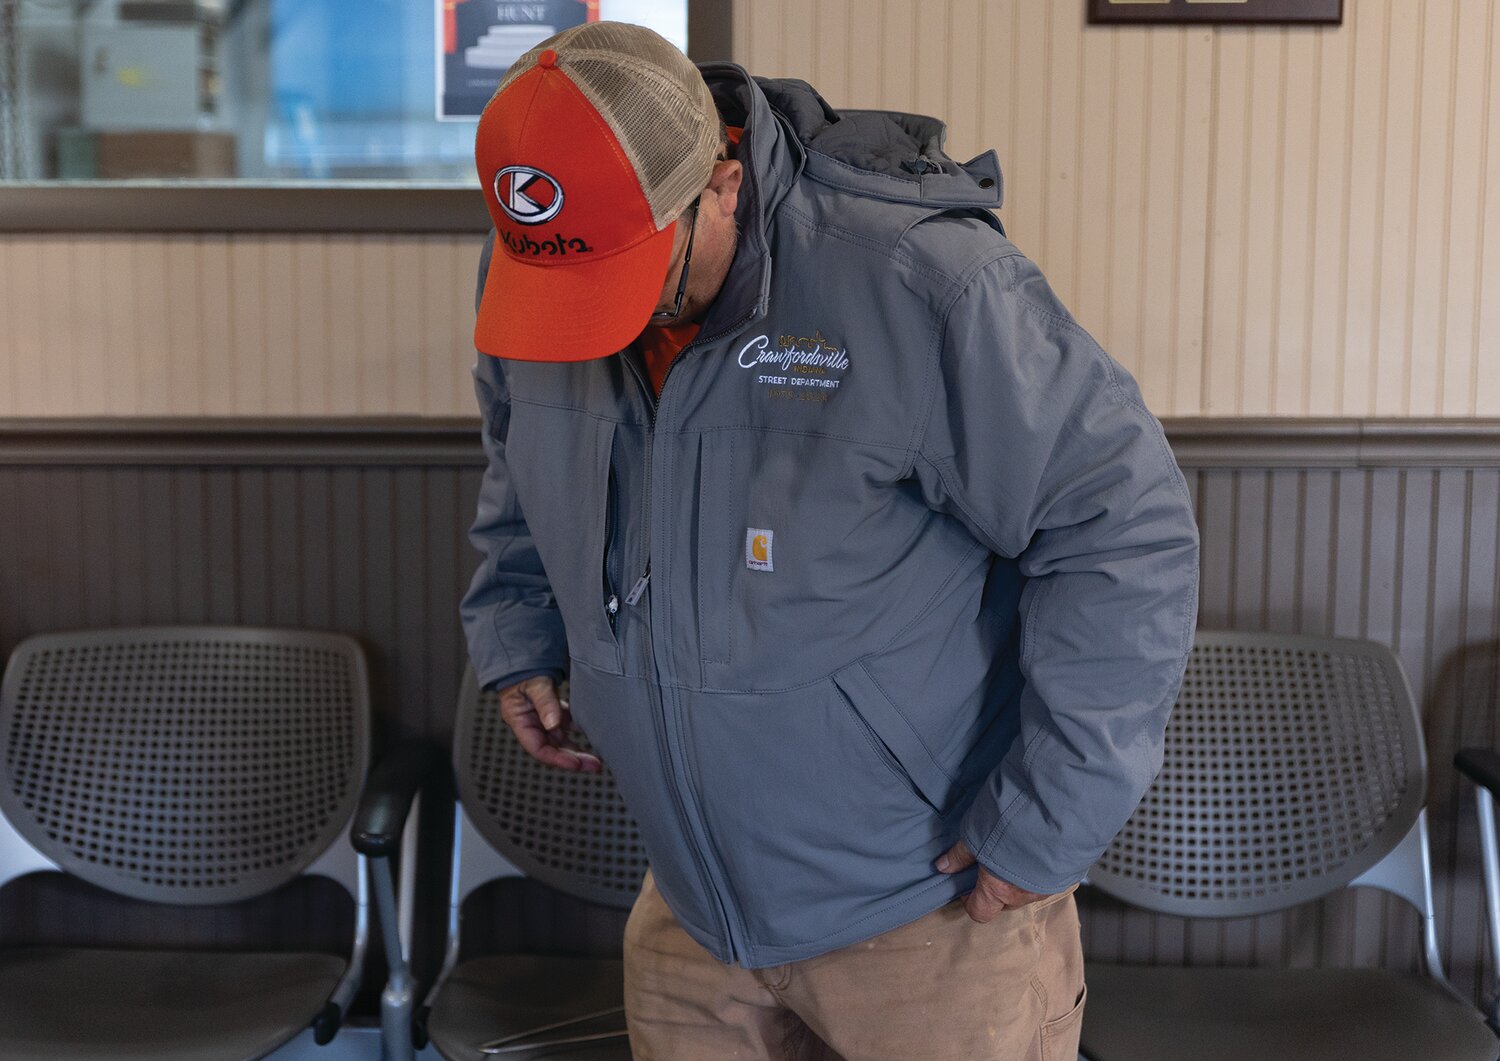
column 1255, row 221
column 1267, row 221
column 230, row 325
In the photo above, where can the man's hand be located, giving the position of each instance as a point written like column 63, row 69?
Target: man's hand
column 990, row 894
column 541, row 722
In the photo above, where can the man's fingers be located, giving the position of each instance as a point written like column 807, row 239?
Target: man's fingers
column 558, row 734
column 536, row 698
column 981, row 906
column 541, row 723
column 551, row 747
column 543, row 694
column 560, row 738
column 990, row 894
column 956, row 858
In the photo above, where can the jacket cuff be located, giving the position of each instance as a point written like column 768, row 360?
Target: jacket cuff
column 1010, row 835
column 1003, row 844
column 1013, row 868
column 500, row 682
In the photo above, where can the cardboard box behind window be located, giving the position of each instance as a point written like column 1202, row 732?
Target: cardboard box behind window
column 164, row 154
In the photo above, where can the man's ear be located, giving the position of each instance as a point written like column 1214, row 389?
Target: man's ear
column 725, row 184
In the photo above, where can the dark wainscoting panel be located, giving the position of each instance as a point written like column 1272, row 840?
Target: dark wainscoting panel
column 1380, row 529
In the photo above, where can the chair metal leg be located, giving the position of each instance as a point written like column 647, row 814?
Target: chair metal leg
column 398, row 998
column 509, row 1044
column 1489, row 852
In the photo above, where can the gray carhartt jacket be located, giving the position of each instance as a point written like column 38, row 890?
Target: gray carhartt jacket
column 899, row 556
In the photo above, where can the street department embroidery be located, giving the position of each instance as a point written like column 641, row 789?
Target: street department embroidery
column 797, row 368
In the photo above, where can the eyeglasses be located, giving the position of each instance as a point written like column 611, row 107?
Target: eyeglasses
column 666, row 316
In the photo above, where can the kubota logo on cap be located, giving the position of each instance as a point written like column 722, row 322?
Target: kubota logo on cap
column 528, row 195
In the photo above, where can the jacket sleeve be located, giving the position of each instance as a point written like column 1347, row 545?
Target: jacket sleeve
column 510, row 617
column 1039, row 442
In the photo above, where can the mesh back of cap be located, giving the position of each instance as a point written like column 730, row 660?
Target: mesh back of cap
column 566, row 828
column 1291, row 765
column 179, row 764
column 654, row 100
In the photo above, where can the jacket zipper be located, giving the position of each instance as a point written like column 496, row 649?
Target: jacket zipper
column 709, row 877
column 611, row 599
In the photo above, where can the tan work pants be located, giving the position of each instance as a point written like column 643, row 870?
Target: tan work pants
column 940, row 987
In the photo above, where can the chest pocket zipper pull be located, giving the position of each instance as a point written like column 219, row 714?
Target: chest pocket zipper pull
column 640, row 586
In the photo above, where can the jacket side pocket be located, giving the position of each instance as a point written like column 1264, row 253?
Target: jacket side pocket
column 560, row 462
column 908, row 756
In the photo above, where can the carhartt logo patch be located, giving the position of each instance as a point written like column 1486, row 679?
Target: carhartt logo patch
column 758, row 549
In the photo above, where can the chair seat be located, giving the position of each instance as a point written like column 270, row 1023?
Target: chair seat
column 501, row 994
column 1142, row 1013
column 140, row 1005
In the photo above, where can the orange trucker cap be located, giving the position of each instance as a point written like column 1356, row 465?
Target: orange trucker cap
column 593, row 144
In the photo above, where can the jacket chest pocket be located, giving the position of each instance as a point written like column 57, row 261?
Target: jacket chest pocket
column 720, row 510
column 561, row 461
column 805, row 553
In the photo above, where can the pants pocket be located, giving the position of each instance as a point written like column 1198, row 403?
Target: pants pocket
column 1059, row 975
column 1060, row 1036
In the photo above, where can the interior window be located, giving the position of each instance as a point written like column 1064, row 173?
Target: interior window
column 267, row 90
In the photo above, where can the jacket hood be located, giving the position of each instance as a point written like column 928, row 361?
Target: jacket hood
column 886, row 154
column 791, row 130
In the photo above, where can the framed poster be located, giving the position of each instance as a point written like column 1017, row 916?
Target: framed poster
column 1274, row 11
column 477, row 40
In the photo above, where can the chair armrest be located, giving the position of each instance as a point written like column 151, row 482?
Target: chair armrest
column 1481, row 766
column 389, row 791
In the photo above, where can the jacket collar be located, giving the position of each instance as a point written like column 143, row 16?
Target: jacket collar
column 772, row 159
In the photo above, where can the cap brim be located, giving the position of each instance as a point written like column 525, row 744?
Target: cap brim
column 574, row 312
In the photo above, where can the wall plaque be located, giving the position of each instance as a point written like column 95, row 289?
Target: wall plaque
column 1275, row 11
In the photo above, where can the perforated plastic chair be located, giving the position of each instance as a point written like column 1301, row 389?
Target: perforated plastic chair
column 188, row 766
column 1482, row 766
column 515, row 816
column 1294, row 766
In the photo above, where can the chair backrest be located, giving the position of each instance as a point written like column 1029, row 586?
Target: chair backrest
column 569, row 829
column 1293, row 766
column 185, row 765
